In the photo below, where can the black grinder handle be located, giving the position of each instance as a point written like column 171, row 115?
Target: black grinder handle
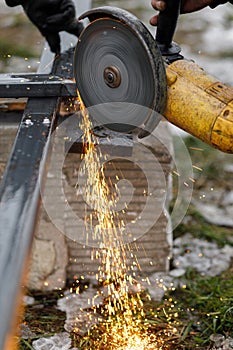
column 167, row 21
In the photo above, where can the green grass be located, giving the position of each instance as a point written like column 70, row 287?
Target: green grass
column 205, row 306
column 207, row 158
column 43, row 317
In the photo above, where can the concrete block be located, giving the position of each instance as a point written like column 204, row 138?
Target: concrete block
column 49, row 258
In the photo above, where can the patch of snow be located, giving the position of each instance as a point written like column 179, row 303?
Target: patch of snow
column 220, row 216
column 206, row 257
column 60, row 341
column 79, row 316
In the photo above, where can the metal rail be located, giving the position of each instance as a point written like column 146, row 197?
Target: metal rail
column 36, row 85
column 20, row 196
column 26, row 168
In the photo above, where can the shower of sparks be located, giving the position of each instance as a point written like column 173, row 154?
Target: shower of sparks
column 123, row 312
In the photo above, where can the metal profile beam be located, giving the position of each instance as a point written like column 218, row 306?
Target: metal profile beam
column 36, row 85
column 20, row 197
column 21, row 185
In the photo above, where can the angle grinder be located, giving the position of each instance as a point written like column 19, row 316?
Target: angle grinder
column 130, row 80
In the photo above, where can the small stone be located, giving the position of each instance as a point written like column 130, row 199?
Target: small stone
column 27, row 300
column 177, row 272
column 217, row 337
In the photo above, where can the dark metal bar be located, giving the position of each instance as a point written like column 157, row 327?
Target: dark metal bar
column 26, row 168
column 36, row 85
column 20, row 195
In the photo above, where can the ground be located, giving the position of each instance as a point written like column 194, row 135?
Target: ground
column 200, row 306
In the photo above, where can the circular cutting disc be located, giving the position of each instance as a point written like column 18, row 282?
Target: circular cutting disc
column 114, row 71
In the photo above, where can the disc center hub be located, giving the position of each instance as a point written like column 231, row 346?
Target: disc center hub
column 112, row 76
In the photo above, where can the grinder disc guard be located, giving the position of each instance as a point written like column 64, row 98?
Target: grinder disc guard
column 119, row 72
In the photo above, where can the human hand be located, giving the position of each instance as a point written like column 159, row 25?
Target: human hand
column 51, row 17
column 186, row 6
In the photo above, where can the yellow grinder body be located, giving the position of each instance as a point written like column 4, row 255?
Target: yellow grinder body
column 199, row 104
